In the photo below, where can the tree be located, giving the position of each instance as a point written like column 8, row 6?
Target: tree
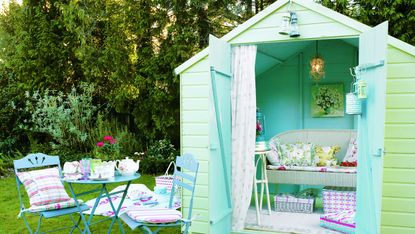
column 399, row 13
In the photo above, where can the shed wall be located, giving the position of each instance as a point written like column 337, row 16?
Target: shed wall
column 194, row 127
column 311, row 25
column 398, row 196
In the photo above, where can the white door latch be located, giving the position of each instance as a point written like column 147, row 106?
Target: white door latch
column 379, row 152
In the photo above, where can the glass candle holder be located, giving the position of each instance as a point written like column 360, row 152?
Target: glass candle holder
column 260, row 126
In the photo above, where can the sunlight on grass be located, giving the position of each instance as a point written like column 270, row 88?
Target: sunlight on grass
column 10, row 208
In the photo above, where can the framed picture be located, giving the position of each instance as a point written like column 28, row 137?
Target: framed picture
column 327, row 100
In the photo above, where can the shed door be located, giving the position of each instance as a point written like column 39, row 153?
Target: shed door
column 220, row 208
column 372, row 54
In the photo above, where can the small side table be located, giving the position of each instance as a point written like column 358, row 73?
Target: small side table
column 263, row 181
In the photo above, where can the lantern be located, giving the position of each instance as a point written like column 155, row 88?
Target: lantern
column 294, row 32
column 317, row 66
column 285, row 24
column 260, row 126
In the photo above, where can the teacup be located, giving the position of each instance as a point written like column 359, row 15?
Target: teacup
column 71, row 167
column 104, row 170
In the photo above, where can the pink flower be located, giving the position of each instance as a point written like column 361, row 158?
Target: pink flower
column 113, row 141
column 100, row 144
column 108, row 138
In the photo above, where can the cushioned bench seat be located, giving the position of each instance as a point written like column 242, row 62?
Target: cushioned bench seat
column 312, row 178
column 340, row 176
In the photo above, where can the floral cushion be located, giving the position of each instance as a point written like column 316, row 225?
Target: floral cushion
column 54, row 206
column 43, row 186
column 154, row 215
column 351, row 154
column 274, row 155
column 298, row 154
column 325, row 155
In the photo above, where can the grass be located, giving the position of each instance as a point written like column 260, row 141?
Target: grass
column 9, row 209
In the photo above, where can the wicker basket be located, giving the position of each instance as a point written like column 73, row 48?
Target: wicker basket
column 288, row 203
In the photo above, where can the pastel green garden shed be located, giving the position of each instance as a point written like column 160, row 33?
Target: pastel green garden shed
column 385, row 128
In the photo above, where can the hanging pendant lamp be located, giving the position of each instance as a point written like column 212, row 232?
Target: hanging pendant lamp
column 317, row 66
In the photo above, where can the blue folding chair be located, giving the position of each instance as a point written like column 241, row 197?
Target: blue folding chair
column 32, row 161
column 184, row 178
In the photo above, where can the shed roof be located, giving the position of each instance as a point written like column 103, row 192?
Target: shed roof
column 309, row 5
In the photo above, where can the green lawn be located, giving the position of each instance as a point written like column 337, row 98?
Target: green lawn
column 9, row 208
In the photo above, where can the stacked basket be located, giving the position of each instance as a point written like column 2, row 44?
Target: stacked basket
column 290, row 203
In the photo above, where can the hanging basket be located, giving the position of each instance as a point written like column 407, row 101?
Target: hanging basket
column 353, row 104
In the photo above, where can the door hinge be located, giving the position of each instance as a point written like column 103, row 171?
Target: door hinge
column 213, row 146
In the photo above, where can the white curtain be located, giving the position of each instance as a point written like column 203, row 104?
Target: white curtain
column 243, row 131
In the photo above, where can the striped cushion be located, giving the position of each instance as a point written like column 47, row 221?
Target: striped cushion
column 154, row 215
column 43, row 186
column 54, row 206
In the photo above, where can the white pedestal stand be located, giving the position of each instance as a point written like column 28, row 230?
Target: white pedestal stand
column 264, row 183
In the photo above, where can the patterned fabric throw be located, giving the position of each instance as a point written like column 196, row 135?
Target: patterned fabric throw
column 154, row 215
column 55, row 206
column 43, row 186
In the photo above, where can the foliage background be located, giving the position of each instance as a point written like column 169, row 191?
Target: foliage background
column 127, row 51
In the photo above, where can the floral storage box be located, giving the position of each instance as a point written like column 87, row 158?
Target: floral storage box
column 338, row 199
column 289, row 203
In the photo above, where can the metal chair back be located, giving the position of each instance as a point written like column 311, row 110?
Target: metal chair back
column 40, row 160
column 185, row 178
column 34, row 161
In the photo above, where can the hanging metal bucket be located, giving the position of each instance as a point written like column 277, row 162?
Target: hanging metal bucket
column 353, row 104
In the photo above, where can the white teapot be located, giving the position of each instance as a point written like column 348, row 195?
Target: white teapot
column 127, row 166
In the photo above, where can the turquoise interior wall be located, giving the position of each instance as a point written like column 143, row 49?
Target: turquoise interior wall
column 284, row 91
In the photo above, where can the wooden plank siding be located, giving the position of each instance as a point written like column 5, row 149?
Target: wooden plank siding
column 398, row 195
column 194, row 127
column 311, row 25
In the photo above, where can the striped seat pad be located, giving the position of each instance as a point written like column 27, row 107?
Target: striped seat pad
column 55, row 206
column 154, row 215
column 43, row 186
column 343, row 221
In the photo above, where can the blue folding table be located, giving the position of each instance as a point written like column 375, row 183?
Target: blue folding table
column 103, row 192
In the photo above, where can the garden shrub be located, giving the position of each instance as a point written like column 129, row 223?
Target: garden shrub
column 158, row 157
column 65, row 118
column 6, row 162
